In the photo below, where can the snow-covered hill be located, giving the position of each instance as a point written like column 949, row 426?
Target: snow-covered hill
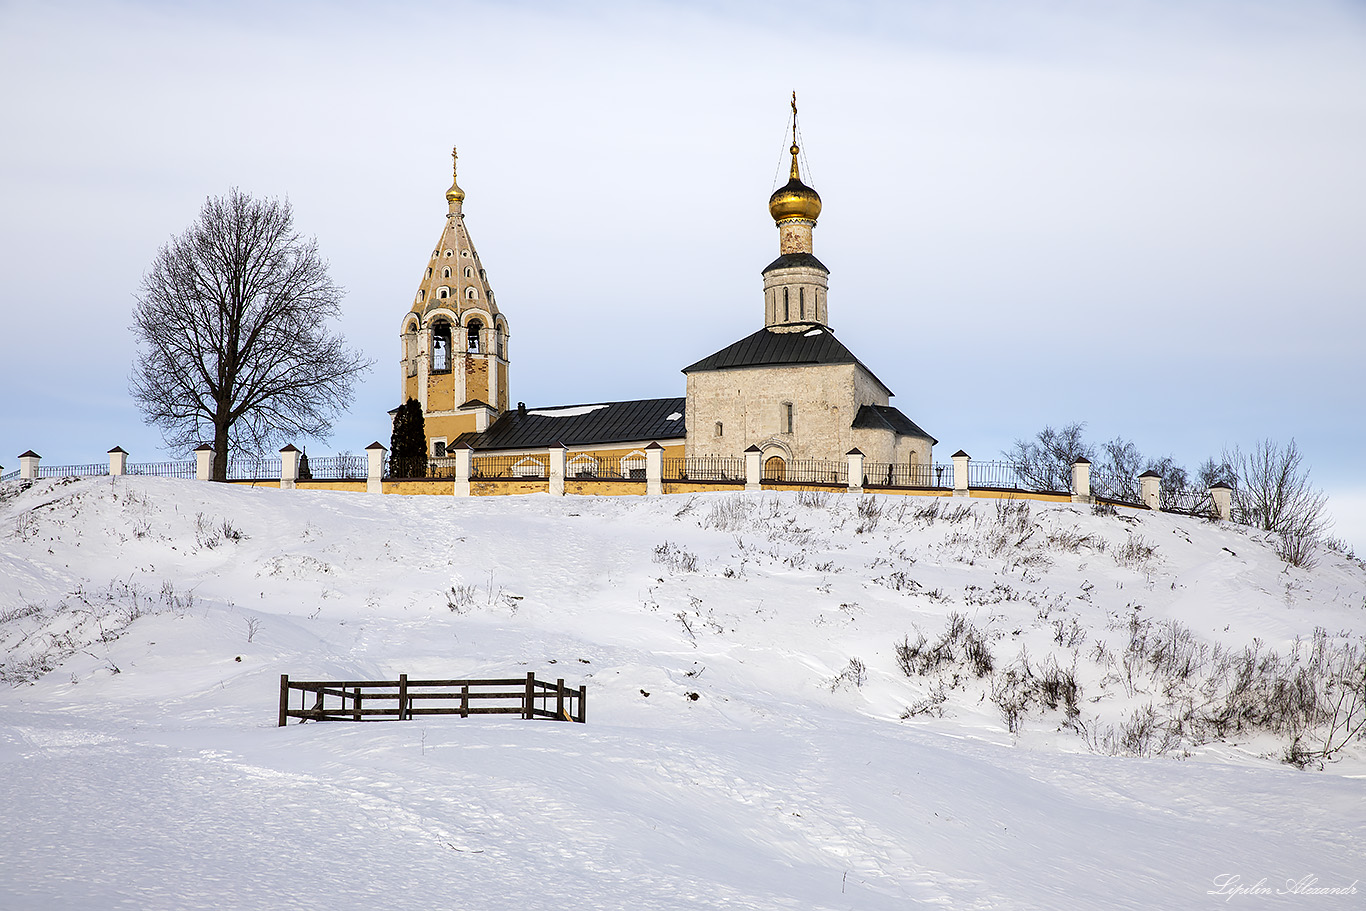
column 795, row 701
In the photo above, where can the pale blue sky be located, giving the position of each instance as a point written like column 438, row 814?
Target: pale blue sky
column 1148, row 215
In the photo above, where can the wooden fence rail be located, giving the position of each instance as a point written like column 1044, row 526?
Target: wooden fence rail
column 401, row 699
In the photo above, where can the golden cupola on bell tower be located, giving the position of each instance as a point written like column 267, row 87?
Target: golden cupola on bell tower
column 454, row 358
column 795, row 284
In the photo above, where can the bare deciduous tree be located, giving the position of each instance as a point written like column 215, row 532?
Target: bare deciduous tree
column 231, row 322
column 1046, row 461
column 1274, row 494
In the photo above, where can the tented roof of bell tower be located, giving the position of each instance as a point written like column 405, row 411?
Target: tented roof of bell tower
column 454, row 278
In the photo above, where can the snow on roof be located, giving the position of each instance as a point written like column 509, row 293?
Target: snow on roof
column 574, row 412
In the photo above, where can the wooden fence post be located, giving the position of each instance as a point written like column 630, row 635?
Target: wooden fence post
column 284, row 699
column 465, row 701
column 529, row 709
column 355, row 703
column 402, row 696
column 583, row 703
column 559, row 699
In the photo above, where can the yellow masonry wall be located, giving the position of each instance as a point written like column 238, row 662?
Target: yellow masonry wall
column 441, row 392
column 348, row 486
column 441, row 488
column 501, row 487
column 449, row 426
column 476, row 380
column 702, row 486
column 614, row 488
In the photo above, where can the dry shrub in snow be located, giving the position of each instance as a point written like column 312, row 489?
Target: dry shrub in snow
column 961, row 644
column 36, row 638
column 1022, row 688
column 1134, row 553
column 676, row 558
column 855, row 674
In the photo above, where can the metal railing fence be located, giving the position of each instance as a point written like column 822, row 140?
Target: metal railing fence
column 705, row 468
column 336, row 468
column 904, row 475
column 805, row 471
column 184, row 470
column 514, row 466
column 248, row 469
column 94, row 469
column 1004, row 475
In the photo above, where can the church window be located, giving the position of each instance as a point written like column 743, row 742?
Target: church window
column 421, row 295
column 469, row 273
column 441, row 347
column 472, row 335
column 787, row 313
column 448, row 252
column 464, row 252
column 442, row 292
column 498, row 340
column 446, row 272
column 439, row 448
column 785, row 417
column 720, row 430
column 801, row 302
column 429, row 271
column 471, row 294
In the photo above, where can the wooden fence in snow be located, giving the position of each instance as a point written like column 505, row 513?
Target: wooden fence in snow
column 402, row 699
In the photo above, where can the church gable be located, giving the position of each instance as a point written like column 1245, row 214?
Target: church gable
column 766, row 348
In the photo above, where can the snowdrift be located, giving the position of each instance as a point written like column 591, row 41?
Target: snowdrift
column 796, row 700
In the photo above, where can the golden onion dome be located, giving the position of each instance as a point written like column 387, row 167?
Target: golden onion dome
column 794, row 199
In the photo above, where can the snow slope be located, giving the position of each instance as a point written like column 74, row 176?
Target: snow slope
column 792, row 780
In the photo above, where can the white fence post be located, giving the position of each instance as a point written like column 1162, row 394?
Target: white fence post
column 855, row 479
column 289, row 466
column 654, row 470
column 960, row 473
column 1081, row 481
column 203, row 462
column 464, row 464
column 754, row 457
column 118, row 461
column 374, row 467
column 1222, row 495
column 28, row 466
column 1150, row 483
column 556, row 473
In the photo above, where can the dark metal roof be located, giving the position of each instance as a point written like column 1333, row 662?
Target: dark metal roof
column 888, row 417
column 583, row 425
column 790, row 260
column 815, row 344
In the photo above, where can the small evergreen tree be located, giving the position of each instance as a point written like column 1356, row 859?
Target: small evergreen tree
column 408, row 445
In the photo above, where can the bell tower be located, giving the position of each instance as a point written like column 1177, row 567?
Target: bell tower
column 795, row 284
column 454, row 339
